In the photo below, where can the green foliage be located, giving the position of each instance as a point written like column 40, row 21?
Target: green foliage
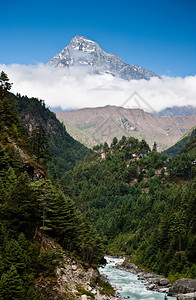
column 4, row 82
column 32, row 294
column 182, row 166
column 82, row 291
column 10, row 127
column 184, row 145
column 106, row 288
column 65, row 151
column 135, row 207
column 130, row 196
column 39, row 144
column 31, row 209
column 11, row 285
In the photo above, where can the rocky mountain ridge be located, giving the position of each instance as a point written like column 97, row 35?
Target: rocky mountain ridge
column 86, row 54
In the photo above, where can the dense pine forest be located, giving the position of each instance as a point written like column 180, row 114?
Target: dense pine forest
column 34, row 209
column 142, row 202
column 121, row 199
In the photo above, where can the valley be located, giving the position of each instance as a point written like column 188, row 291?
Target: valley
column 64, row 206
column 98, row 150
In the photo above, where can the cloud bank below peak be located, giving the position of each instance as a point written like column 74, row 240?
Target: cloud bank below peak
column 74, row 88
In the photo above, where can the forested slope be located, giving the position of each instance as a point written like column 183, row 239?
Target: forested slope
column 178, row 148
column 33, row 210
column 142, row 203
column 65, row 151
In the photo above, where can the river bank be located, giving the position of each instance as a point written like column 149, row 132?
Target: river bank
column 184, row 289
column 127, row 284
column 151, row 280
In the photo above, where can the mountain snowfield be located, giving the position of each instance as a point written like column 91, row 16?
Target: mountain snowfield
column 82, row 52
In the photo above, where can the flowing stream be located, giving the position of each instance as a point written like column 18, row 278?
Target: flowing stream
column 129, row 285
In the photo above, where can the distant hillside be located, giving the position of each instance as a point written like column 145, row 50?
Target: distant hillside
column 185, row 144
column 190, row 147
column 178, row 111
column 92, row 126
column 66, row 152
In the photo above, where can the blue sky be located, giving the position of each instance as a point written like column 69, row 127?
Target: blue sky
column 158, row 35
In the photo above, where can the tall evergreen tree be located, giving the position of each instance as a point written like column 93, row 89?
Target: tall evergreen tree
column 5, row 85
column 65, row 221
column 15, row 255
column 11, row 286
column 39, row 144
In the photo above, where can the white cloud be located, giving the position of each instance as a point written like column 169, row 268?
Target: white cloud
column 74, row 89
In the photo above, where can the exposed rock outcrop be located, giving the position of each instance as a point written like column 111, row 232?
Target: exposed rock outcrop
column 79, row 281
column 189, row 296
column 73, row 279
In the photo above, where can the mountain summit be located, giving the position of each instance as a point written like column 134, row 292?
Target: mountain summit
column 82, row 52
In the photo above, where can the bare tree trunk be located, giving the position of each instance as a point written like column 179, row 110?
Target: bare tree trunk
column 43, row 223
column 36, row 229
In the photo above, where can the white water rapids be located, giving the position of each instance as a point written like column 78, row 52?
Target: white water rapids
column 129, row 285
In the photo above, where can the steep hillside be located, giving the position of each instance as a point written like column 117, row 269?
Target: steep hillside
column 65, row 151
column 42, row 234
column 92, row 126
column 190, row 146
column 187, row 141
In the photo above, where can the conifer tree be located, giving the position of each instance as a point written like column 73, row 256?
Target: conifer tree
column 45, row 197
column 39, row 144
column 32, row 294
column 154, row 148
column 11, row 286
column 5, row 85
column 8, row 107
column 4, row 163
column 22, row 205
column 114, row 142
column 65, row 221
column 15, row 255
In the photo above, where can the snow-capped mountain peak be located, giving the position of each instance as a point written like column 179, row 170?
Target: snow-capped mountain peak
column 80, row 43
column 83, row 52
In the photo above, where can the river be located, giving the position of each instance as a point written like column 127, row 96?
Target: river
column 128, row 283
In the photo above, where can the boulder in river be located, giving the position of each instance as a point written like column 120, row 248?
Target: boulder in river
column 183, row 286
column 163, row 281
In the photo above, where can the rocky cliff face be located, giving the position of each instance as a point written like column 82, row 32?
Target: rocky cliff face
column 87, row 54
